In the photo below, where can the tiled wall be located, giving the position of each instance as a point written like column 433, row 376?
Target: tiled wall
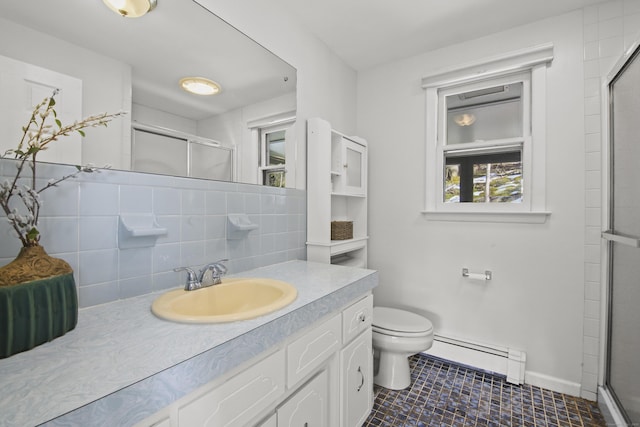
column 609, row 29
column 80, row 224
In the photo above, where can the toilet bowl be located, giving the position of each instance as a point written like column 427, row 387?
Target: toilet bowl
column 398, row 334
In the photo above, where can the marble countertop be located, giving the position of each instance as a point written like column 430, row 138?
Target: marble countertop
column 121, row 363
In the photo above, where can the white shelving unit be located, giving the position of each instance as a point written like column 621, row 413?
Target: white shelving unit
column 336, row 191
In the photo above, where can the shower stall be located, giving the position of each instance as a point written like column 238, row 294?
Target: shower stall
column 622, row 238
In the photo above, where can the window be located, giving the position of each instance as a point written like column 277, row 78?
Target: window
column 484, row 131
column 272, row 156
column 485, row 139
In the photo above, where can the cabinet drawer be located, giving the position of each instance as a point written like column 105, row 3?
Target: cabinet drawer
column 240, row 399
column 356, row 318
column 309, row 351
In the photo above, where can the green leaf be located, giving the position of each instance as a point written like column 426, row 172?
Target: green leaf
column 79, row 168
column 33, row 234
column 59, row 123
column 52, row 102
column 81, row 132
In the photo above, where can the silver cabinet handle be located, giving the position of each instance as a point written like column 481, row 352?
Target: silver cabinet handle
column 362, row 379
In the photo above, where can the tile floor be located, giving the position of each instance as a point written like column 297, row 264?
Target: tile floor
column 447, row 394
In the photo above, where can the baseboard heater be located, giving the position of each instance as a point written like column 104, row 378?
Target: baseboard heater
column 492, row 358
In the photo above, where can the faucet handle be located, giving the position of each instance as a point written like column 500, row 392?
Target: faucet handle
column 192, row 280
column 217, row 271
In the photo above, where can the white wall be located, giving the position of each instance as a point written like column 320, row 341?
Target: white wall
column 535, row 301
column 150, row 116
column 326, row 85
column 106, row 87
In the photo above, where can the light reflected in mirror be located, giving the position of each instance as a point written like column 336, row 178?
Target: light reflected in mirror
column 103, row 62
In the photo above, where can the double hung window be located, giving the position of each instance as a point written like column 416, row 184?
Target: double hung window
column 272, row 156
column 486, row 139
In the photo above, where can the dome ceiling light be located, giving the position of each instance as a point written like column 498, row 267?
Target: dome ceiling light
column 466, row 119
column 200, row 86
column 131, row 8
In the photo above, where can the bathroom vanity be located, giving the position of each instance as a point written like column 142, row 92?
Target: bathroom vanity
column 309, row 361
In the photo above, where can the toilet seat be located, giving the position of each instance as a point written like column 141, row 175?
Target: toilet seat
column 400, row 323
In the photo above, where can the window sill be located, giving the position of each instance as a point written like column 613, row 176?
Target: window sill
column 537, row 217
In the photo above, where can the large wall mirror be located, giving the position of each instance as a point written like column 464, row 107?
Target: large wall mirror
column 103, row 62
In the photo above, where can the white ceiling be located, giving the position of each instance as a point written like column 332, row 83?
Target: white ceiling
column 366, row 33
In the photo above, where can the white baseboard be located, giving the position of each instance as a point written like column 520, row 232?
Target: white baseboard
column 552, row 383
column 499, row 360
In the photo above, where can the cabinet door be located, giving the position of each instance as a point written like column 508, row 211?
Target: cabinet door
column 357, row 380
column 308, row 352
column 240, row 399
column 272, row 421
column 309, row 407
column 354, row 157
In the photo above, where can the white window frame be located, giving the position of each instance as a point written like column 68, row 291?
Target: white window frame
column 528, row 66
column 257, row 127
column 264, row 152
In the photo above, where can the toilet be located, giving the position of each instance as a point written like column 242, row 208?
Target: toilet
column 398, row 334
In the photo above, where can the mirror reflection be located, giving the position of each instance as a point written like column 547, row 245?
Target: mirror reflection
column 103, row 62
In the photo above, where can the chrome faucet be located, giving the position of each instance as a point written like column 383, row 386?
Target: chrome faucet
column 217, row 271
column 192, row 281
column 203, row 280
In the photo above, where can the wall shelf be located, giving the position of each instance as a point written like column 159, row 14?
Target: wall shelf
column 337, row 191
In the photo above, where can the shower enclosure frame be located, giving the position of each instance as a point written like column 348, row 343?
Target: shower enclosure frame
column 605, row 396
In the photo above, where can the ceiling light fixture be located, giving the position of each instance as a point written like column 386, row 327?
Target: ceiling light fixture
column 200, row 86
column 131, row 8
column 466, row 119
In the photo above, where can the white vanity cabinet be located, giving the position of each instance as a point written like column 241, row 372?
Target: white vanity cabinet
column 320, row 377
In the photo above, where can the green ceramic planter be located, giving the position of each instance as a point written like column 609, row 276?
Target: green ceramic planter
column 36, row 312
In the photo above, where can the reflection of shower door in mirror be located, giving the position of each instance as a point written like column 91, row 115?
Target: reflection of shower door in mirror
column 623, row 341
column 164, row 153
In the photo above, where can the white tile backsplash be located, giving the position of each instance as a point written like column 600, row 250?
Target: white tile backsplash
column 192, row 254
column 80, row 226
column 98, row 294
column 193, row 202
column 216, row 203
column 98, row 199
column 167, row 201
column 134, row 262
column 98, row 267
column 135, row 199
column 235, row 203
column 59, row 234
column 98, row 232
column 192, row 228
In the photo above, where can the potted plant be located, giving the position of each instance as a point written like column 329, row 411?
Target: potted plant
column 38, row 300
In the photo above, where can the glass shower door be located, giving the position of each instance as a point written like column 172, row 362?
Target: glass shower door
column 623, row 341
